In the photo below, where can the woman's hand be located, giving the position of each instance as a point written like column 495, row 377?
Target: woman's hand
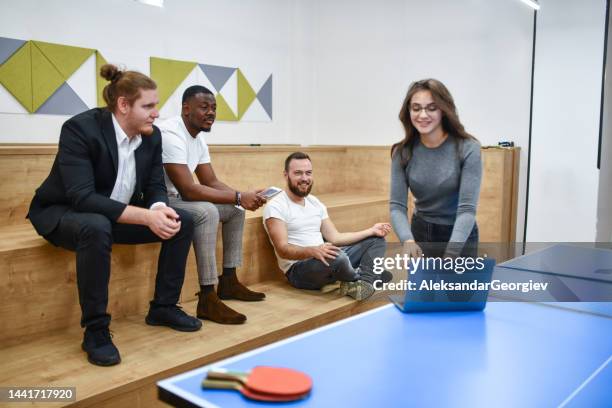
column 412, row 249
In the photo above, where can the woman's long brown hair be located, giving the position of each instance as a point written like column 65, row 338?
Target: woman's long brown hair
column 450, row 119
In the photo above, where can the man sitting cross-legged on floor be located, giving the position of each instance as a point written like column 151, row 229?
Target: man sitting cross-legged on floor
column 210, row 202
column 297, row 224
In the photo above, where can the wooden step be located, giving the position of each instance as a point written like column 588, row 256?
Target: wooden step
column 242, row 167
column 150, row 354
column 38, row 280
column 338, row 169
column 23, row 236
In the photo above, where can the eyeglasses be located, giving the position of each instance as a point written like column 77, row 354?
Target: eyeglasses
column 416, row 109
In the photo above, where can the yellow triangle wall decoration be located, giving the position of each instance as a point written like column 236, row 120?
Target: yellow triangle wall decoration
column 224, row 112
column 16, row 75
column 168, row 74
column 66, row 59
column 246, row 94
column 45, row 78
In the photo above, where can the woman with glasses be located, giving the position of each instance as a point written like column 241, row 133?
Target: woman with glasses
column 439, row 162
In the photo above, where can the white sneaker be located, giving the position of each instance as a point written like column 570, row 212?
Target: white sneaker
column 330, row 287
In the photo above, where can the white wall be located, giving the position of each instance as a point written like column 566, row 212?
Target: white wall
column 481, row 49
column 604, row 194
column 246, row 34
column 366, row 57
column 568, row 71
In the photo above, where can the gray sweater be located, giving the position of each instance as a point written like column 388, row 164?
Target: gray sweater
column 445, row 182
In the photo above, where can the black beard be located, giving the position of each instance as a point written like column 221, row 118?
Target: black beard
column 205, row 130
column 295, row 190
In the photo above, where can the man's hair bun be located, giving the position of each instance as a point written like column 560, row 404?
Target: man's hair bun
column 110, row 72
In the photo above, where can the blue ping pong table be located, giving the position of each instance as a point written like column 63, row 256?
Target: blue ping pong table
column 510, row 355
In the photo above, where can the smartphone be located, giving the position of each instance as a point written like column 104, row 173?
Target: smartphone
column 270, row 192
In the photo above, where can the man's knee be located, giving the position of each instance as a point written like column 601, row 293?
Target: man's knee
column 375, row 241
column 313, row 279
column 378, row 242
column 96, row 228
column 230, row 213
column 187, row 221
column 205, row 212
column 373, row 245
column 239, row 214
column 340, row 260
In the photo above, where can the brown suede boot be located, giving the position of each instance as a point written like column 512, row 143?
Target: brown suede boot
column 230, row 288
column 212, row 308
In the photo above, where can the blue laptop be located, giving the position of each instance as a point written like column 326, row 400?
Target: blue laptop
column 432, row 297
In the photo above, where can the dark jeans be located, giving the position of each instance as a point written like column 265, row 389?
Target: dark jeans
column 314, row 274
column 433, row 238
column 91, row 236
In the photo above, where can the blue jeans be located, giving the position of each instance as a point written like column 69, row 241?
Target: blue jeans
column 433, row 238
column 314, row 274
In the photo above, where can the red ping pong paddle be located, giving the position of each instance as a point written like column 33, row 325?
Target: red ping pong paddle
column 267, row 380
column 234, row 385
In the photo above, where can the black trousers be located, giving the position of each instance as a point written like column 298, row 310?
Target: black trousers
column 91, row 236
column 433, row 238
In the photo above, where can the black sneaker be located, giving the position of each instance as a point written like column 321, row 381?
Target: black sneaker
column 173, row 317
column 100, row 348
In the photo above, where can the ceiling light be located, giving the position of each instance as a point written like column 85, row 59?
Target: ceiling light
column 532, row 3
column 156, row 3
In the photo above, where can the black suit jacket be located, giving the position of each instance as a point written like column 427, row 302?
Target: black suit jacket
column 85, row 169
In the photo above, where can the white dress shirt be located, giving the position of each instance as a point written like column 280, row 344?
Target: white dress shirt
column 126, row 166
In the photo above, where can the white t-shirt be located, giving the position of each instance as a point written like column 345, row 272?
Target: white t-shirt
column 303, row 222
column 180, row 147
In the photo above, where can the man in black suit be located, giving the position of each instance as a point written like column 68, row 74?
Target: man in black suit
column 107, row 186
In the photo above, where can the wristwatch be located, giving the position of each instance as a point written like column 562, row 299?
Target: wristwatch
column 238, row 198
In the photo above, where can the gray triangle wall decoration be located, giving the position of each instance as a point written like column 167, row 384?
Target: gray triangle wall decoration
column 265, row 96
column 64, row 101
column 8, row 46
column 217, row 75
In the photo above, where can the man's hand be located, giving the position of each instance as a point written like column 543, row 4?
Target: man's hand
column 169, row 211
column 412, row 249
column 324, row 252
column 164, row 222
column 381, row 229
column 252, row 200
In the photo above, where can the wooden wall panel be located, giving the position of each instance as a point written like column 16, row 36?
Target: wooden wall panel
column 21, row 175
column 240, row 167
column 368, row 168
column 494, row 205
column 260, row 168
column 336, row 169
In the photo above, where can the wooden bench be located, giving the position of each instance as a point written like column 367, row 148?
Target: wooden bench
column 38, row 285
